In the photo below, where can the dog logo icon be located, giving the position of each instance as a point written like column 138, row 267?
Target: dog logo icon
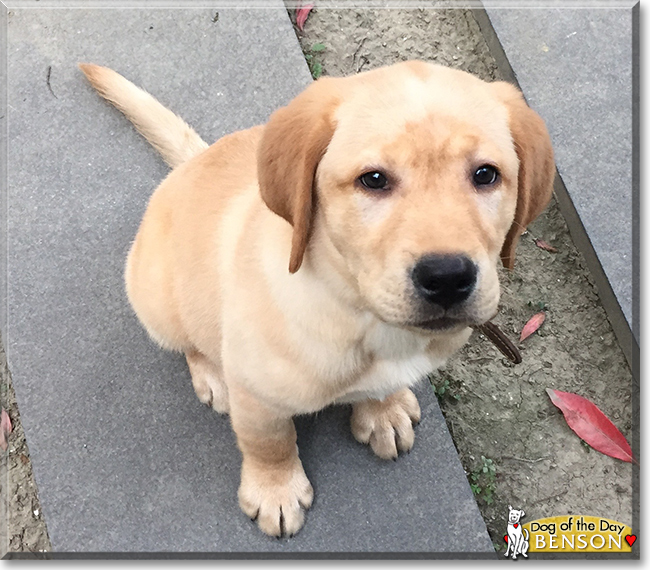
column 517, row 536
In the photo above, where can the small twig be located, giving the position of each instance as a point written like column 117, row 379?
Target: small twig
column 474, row 393
column 49, row 73
column 471, row 427
column 363, row 61
column 451, row 428
column 524, row 459
column 551, row 497
column 356, row 53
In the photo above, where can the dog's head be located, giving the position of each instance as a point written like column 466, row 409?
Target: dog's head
column 419, row 179
column 514, row 515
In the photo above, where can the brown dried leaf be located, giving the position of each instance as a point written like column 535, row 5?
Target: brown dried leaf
column 532, row 325
column 545, row 246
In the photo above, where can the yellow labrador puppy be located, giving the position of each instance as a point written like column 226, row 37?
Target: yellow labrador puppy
column 336, row 254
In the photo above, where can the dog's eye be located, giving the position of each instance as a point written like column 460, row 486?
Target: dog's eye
column 374, row 180
column 485, row 175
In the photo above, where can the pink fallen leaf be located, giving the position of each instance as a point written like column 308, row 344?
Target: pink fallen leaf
column 545, row 246
column 591, row 425
column 5, row 429
column 532, row 325
column 301, row 15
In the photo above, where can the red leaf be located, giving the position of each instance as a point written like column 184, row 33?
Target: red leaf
column 532, row 325
column 591, row 425
column 5, row 429
column 543, row 245
column 301, row 15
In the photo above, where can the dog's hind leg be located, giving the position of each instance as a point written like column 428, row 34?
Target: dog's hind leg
column 207, row 379
column 525, row 545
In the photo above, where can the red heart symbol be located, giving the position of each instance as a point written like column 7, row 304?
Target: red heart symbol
column 516, row 525
column 505, row 537
column 630, row 539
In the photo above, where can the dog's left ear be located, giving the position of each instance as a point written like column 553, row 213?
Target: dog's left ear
column 536, row 165
column 294, row 141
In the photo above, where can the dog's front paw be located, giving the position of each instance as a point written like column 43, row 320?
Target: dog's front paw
column 275, row 498
column 387, row 425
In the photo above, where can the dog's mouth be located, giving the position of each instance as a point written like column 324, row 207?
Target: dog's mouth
column 453, row 319
column 446, row 323
column 442, row 324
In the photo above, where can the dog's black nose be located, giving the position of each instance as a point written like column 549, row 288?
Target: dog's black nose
column 444, row 280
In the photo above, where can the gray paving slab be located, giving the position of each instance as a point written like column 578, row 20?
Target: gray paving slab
column 125, row 457
column 574, row 63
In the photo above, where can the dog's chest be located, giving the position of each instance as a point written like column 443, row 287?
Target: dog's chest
column 397, row 359
column 514, row 529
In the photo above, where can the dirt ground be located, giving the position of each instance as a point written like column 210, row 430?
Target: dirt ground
column 499, row 414
column 25, row 529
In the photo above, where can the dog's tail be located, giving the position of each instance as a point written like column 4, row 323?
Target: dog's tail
column 170, row 135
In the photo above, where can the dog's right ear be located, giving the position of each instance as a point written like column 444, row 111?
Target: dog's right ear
column 294, row 141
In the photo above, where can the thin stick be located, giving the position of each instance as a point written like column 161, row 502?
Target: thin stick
column 524, row 459
column 49, row 73
column 551, row 497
